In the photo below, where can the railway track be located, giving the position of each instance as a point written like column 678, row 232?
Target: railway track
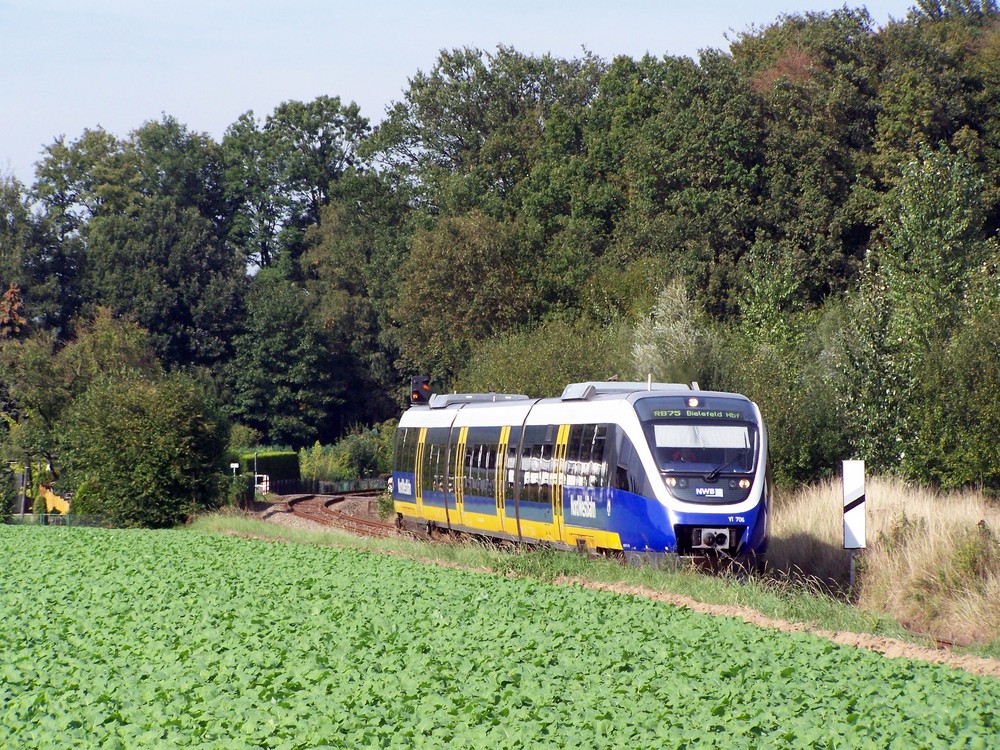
column 328, row 511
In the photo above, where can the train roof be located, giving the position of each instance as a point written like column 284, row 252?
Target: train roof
column 591, row 398
column 589, row 391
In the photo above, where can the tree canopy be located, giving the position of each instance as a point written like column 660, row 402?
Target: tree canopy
column 809, row 216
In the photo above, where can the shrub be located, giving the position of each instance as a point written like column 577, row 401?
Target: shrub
column 145, row 452
column 8, row 490
column 363, row 454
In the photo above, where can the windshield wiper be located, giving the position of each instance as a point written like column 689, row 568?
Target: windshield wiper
column 714, row 474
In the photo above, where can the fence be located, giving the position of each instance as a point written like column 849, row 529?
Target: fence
column 316, row 487
column 53, row 519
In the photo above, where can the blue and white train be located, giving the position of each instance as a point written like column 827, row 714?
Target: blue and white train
column 633, row 468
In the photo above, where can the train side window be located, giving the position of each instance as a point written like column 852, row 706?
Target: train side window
column 474, row 470
column 598, row 459
column 489, row 481
column 469, row 471
column 399, row 451
column 428, row 467
column 573, row 455
column 621, row 466
column 511, row 468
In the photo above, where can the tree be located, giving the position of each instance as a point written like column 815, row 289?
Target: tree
column 253, row 188
column 316, row 145
column 44, row 269
column 541, row 361
column 279, row 176
column 286, row 379
column 681, row 140
column 919, row 286
column 43, row 378
column 815, row 78
column 11, row 319
column 675, row 342
column 465, row 132
column 144, row 452
column 464, row 282
column 162, row 264
column 350, row 272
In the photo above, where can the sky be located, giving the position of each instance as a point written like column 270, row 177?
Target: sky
column 68, row 65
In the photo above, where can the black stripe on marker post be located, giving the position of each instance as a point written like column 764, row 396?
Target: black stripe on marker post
column 854, row 504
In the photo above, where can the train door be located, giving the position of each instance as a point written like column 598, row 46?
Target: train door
column 435, row 482
column 503, row 484
column 419, row 472
column 459, row 474
column 559, row 482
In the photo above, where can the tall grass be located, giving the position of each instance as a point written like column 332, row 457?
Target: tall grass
column 932, row 563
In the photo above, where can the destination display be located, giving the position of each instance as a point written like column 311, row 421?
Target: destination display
column 697, row 413
column 707, row 408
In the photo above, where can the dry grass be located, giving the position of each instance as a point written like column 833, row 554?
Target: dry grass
column 933, row 560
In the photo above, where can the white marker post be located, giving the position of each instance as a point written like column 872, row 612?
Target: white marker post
column 854, row 509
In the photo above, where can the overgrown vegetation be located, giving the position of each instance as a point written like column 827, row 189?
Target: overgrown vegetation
column 809, row 217
column 933, row 560
column 363, row 454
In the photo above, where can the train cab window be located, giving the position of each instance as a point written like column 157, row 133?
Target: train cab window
column 406, row 448
column 704, row 447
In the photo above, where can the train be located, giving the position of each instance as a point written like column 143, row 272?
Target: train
column 625, row 469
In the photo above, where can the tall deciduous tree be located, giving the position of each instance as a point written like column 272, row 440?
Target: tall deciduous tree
column 463, row 282
column 286, row 380
column 163, row 265
column 466, row 131
column 280, row 175
column 919, row 288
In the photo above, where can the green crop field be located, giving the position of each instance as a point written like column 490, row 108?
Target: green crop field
column 135, row 639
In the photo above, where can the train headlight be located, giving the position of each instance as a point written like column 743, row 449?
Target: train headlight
column 744, row 484
column 671, row 482
column 693, row 402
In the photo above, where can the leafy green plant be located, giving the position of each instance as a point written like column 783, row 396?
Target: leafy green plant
column 182, row 655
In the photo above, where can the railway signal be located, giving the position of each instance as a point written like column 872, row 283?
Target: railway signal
column 420, row 389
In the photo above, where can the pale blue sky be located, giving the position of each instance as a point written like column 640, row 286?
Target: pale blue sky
column 67, row 65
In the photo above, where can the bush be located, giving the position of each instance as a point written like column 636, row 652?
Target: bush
column 8, row 490
column 793, row 380
column 144, row 452
column 239, row 489
column 363, row 454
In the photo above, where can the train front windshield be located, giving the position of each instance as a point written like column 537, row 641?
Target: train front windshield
column 714, row 440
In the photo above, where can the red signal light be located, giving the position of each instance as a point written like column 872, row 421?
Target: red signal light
column 420, row 389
